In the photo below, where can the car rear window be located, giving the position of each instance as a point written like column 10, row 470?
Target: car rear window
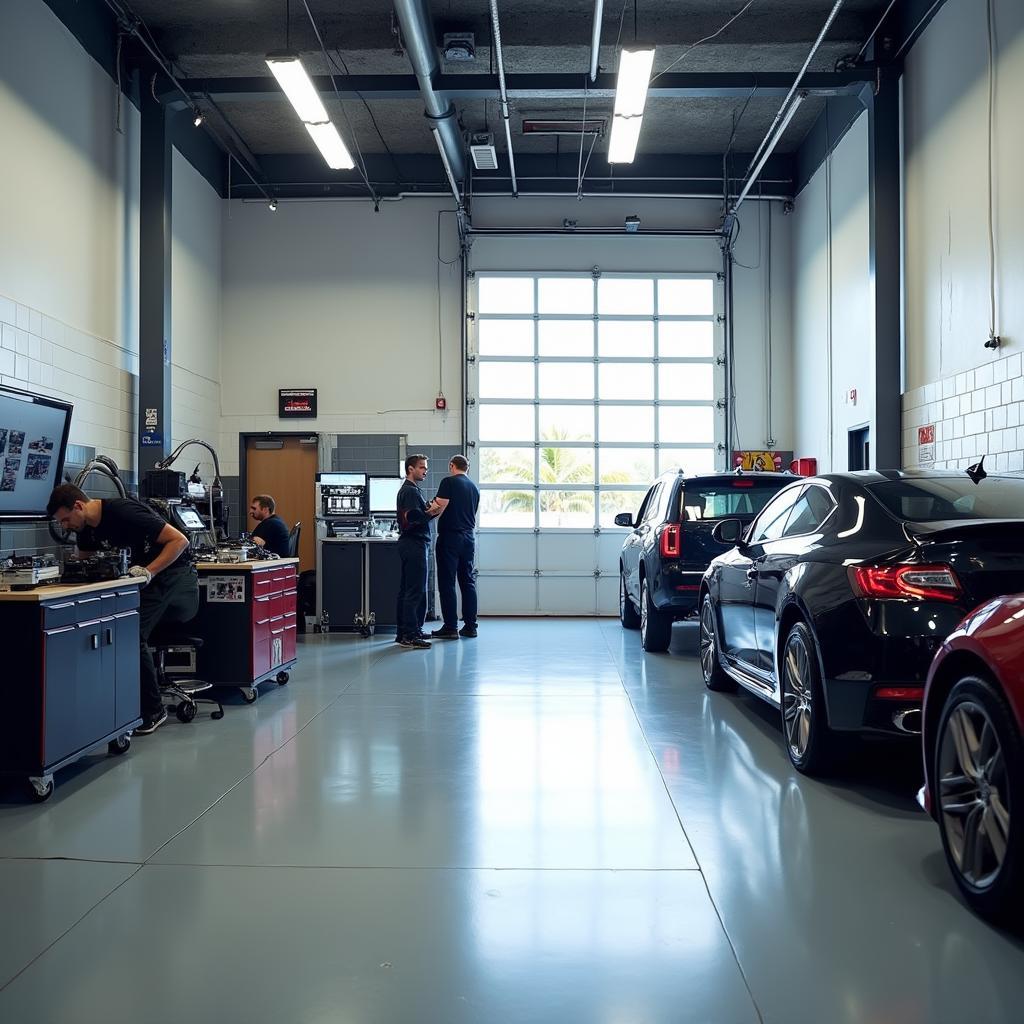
column 731, row 496
column 941, row 498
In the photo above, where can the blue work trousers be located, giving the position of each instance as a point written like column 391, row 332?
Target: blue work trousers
column 455, row 552
column 412, row 590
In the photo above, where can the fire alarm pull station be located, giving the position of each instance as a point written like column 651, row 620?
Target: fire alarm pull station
column 440, row 403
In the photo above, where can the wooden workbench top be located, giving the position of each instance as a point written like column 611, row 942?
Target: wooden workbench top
column 263, row 563
column 57, row 591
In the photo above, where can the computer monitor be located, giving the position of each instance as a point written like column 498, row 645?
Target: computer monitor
column 384, row 494
column 33, row 441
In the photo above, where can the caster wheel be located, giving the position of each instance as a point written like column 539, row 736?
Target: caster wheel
column 186, row 711
column 282, row 678
column 249, row 694
column 40, row 790
column 119, row 746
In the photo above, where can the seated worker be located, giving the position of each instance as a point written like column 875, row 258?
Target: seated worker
column 171, row 589
column 271, row 532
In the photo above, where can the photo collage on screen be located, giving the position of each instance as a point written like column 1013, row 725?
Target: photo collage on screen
column 36, row 459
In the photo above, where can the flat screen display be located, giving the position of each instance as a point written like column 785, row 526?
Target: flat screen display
column 191, row 519
column 33, row 441
column 384, row 494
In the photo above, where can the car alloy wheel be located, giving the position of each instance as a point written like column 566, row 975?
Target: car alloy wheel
column 797, row 697
column 655, row 625
column 972, row 785
column 708, row 647
column 627, row 610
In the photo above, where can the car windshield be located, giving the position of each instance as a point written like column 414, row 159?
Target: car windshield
column 728, row 497
column 939, row 498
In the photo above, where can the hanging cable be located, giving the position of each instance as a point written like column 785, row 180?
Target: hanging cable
column 361, row 167
column 828, row 289
column 913, row 34
column 706, row 39
column 874, row 31
column 770, row 439
column 993, row 335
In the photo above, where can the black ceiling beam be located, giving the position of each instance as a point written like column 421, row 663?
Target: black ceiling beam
column 305, row 175
column 685, row 85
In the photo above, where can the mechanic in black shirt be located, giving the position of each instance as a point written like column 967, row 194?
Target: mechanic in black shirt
column 158, row 554
column 271, row 532
column 414, row 516
column 458, row 498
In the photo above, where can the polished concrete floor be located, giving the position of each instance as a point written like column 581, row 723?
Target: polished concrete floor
column 540, row 825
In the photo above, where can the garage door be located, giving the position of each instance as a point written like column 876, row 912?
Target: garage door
column 582, row 388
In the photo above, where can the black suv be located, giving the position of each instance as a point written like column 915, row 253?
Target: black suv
column 671, row 546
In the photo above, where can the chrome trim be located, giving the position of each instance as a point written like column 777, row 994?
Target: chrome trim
column 899, row 719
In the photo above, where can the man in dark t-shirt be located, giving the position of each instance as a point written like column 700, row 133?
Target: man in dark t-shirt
column 414, row 516
column 158, row 555
column 270, row 532
column 458, row 498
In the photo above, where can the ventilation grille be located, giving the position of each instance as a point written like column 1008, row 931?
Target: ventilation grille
column 481, row 148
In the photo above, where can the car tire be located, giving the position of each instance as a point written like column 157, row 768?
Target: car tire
column 628, row 615
column 715, row 677
column 978, row 773
column 655, row 625
column 810, row 743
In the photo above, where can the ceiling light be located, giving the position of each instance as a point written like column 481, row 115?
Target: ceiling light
column 297, row 86
column 272, row 205
column 630, row 99
column 328, row 141
column 198, row 119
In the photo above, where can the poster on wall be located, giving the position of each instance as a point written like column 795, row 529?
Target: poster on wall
column 758, row 462
column 296, row 403
column 926, row 446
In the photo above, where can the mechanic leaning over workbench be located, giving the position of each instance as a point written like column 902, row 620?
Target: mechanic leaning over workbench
column 158, row 554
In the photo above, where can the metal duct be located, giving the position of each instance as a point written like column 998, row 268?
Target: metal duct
column 496, row 31
column 595, row 39
column 418, row 36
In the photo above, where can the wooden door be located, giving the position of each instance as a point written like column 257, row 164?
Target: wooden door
column 288, row 475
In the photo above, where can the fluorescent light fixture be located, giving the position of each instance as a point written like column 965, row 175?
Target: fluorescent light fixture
column 630, row 99
column 297, row 86
column 328, row 141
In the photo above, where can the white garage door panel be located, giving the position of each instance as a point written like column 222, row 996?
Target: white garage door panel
column 567, row 595
column 609, row 545
column 608, row 595
column 566, row 552
column 507, row 595
column 505, row 551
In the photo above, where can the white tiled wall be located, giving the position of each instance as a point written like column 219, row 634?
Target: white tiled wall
column 42, row 354
column 979, row 412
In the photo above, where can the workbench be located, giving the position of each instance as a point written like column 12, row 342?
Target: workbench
column 248, row 622
column 71, row 678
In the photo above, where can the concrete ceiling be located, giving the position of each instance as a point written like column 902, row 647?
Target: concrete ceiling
column 228, row 38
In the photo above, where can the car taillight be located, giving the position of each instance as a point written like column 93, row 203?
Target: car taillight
column 900, row 692
column 671, row 537
column 906, row 582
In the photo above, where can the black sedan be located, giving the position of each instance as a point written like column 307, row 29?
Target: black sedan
column 835, row 599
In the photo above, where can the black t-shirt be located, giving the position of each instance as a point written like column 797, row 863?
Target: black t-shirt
column 274, row 534
column 413, row 521
column 127, row 523
column 463, row 496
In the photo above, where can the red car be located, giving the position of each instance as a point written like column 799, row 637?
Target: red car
column 974, row 756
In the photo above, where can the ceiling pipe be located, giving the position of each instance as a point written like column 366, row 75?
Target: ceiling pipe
column 783, row 117
column 595, row 38
column 418, row 36
column 496, row 34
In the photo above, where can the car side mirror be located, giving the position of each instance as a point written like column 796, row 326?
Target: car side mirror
column 624, row 519
column 729, row 531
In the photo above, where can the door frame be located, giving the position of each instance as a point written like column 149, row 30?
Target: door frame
column 263, row 435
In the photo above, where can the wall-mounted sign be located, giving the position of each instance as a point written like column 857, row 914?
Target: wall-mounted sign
column 758, row 462
column 296, row 403
column 926, row 446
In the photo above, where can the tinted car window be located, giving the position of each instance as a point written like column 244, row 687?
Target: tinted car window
column 772, row 520
column 924, row 500
column 720, row 499
column 651, row 509
column 809, row 512
column 645, row 505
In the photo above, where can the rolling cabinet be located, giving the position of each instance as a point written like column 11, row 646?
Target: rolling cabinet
column 248, row 623
column 73, row 676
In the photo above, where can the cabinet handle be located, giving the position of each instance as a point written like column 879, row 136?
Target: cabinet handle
column 110, row 635
column 94, row 641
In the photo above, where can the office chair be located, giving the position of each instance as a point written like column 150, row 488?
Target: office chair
column 293, row 540
column 174, row 652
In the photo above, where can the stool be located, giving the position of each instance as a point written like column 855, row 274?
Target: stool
column 174, row 654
